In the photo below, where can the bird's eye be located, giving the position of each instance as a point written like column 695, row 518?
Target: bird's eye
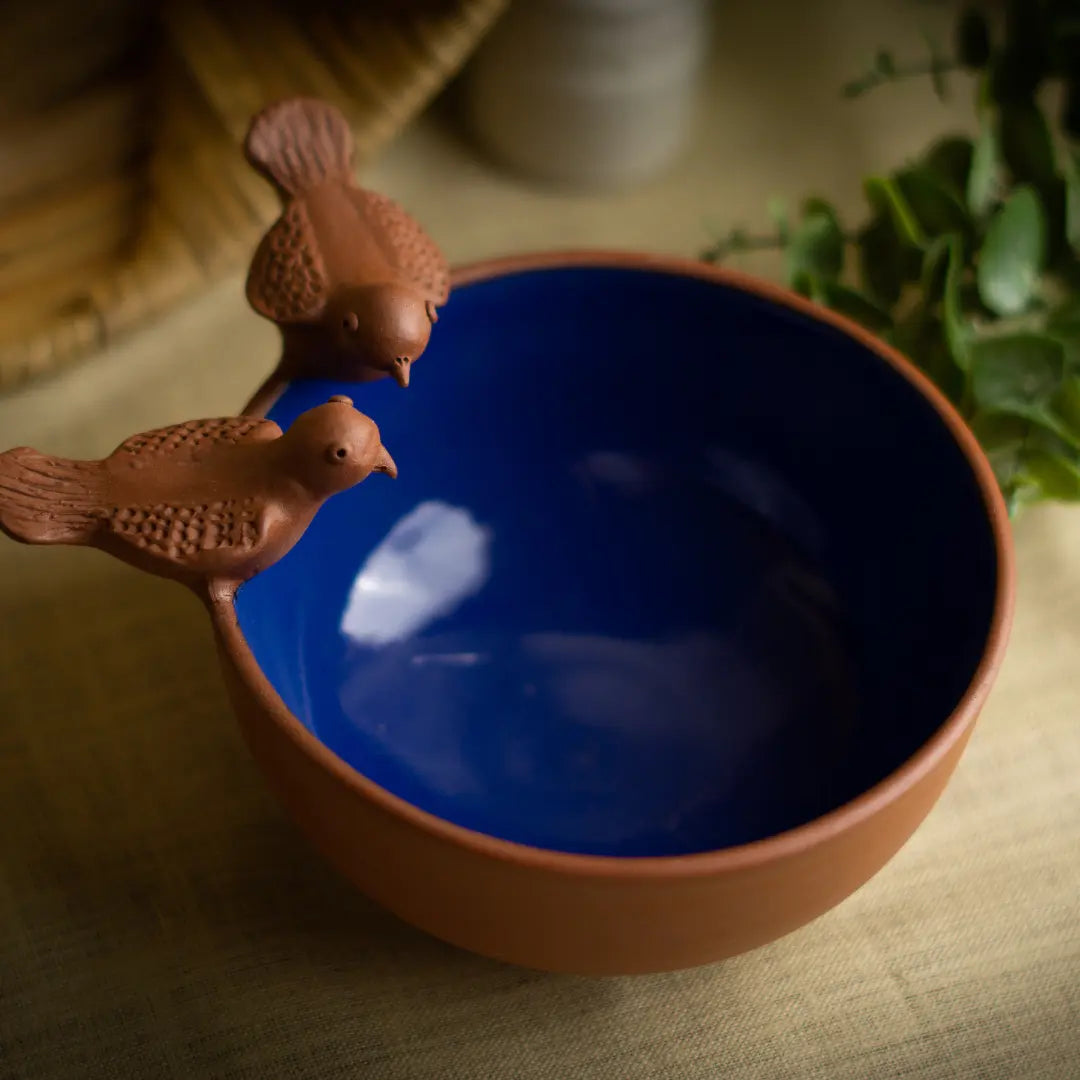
column 350, row 322
column 336, row 454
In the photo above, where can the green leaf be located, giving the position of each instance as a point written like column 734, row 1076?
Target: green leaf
column 949, row 159
column 802, row 282
column 1012, row 253
column 1071, row 344
column 1019, row 496
column 1052, row 465
column 816, row 247
column 1066, row 406
column 1002, row 439
column 938, row 66
column 884, row 196
column 982, row 181
column 1072, row 200
column 920, row 336
column 935, row 359
column 1026, row 145
column 907, row 334
column 934, row 268
column 1064, row 320
column 1057, row 477
column 1030, row 462
column 778, row 213
column 884, row 64
column 814, row 204
column 881, row 260
column 854, row 88
column 995, row 430
column 1020, row 375
column 957, row 328
column 937, row 210
column 855, row 305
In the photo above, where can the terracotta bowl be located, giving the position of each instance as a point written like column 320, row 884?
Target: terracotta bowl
column 669, row 634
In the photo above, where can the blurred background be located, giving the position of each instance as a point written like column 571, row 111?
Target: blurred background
column 157, row 915
column 650, row 124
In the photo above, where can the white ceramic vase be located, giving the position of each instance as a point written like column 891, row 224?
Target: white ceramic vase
column 589, row 93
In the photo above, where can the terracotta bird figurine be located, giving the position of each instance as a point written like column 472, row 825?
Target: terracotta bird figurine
column 352, row 281
column 209, row 503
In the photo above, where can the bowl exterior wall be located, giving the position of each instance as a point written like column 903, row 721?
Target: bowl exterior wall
column 523, row 912
column 588, row 915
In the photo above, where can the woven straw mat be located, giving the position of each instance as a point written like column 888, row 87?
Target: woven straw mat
column 201, row 208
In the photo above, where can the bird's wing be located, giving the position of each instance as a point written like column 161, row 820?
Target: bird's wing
column 405, row 243
column 48, row 500
column 188, row 438
column 189, row 535
column 287, row 280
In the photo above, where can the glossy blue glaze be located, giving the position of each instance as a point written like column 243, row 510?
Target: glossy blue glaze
column 667, row 568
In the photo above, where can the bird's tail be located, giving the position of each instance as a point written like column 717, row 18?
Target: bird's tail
column 300, row 143
column 47, row 500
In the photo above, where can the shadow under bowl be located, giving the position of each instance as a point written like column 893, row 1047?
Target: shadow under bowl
column 668, row 635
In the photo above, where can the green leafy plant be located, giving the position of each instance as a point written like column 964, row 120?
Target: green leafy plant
column 968, row 260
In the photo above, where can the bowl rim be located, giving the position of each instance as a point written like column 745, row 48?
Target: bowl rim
column 782, row 845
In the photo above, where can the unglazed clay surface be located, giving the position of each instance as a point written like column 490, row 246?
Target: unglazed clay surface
column 352, row 280
column 386, row 676
column 205, row 502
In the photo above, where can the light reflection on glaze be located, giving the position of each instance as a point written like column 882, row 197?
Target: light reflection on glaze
column 629, row 743
column 627, row 474
column 658, row 660
column 429, row 562
column 764, row 493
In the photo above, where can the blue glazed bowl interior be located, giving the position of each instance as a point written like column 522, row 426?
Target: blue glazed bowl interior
column 668, row 568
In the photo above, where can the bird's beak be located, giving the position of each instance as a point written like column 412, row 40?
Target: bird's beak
column 401, row 374
column 384, row 463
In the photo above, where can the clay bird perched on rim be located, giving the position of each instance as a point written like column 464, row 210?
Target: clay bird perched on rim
column 209, row 503
column 352, row 281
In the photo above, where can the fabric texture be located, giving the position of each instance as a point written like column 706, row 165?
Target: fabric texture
column 159, row 916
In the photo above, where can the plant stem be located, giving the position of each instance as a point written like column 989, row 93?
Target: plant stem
column 738, row 243
column 918, row 69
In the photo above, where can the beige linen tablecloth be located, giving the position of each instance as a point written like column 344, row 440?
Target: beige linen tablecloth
column 160, row 918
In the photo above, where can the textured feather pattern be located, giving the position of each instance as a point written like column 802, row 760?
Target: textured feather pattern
column 405, row 243
column 287, row 280
column 209, row 502
column 299, row 144
column 182, row 533
column 195, row 435
column 48, row 500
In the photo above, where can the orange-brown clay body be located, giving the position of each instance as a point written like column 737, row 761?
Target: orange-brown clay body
column 208, row 502
column 571, row 913
column 599, row 915
column 352, row 281
column 535, row 907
